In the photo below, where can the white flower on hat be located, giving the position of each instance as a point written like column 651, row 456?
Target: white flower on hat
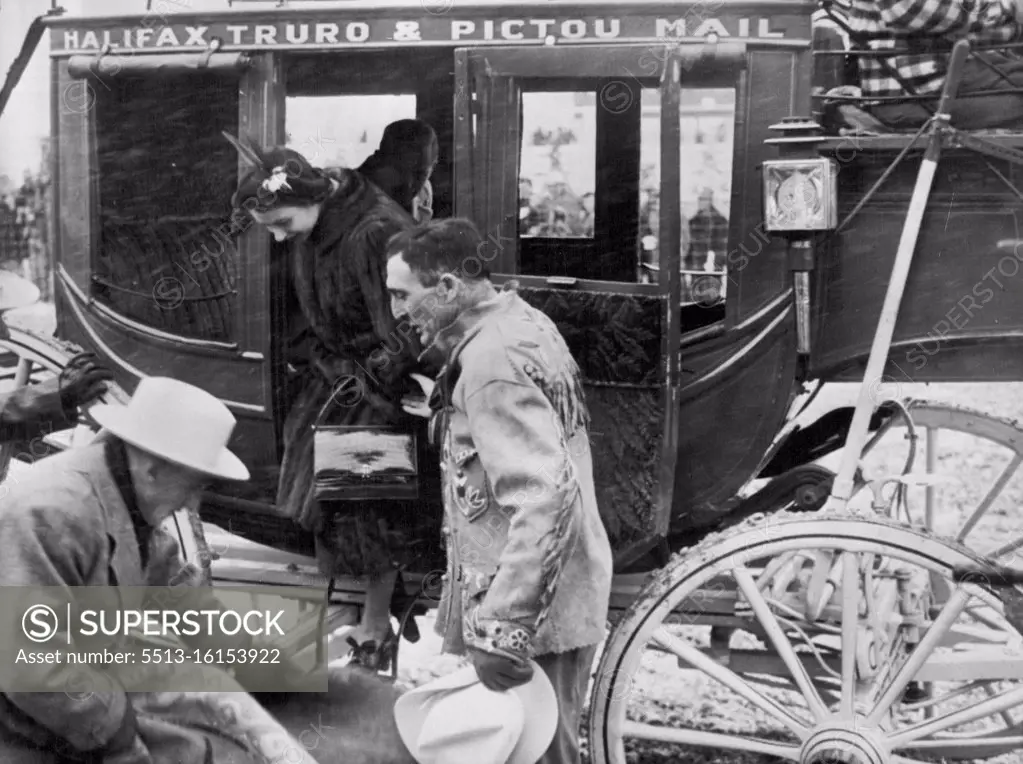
column 278, row 179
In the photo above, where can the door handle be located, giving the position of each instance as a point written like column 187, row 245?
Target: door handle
column 562, row 281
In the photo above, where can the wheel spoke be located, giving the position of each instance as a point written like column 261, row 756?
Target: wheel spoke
column 976, row 746
column 692, row 655
column 638, row 730
column 932, row 462
column 1012, row 546
column 773, row 567
column 908, row 736
column 952, row 610
column 850, row 630
column 1006, row 716
column 781, row 643
column 993, row 494
column 907, row 760
column 990, row 621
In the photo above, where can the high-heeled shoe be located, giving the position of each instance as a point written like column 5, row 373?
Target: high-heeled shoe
column 380, row 657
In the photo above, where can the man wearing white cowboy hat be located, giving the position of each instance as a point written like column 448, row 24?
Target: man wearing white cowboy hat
column 33, row 410
column 91, row 516
column 457, row 720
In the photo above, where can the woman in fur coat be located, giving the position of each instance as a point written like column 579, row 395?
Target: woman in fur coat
column 336, row 227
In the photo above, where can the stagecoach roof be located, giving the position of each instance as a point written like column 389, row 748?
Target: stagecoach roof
column 164, row 9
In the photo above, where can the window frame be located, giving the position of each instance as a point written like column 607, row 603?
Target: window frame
column 568, row 86
column 93, row 281
column 712, row 84
column 554, row 70
column 237, row 372
column 358, row 72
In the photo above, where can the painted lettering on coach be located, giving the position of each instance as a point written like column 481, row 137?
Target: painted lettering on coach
column 433, row 29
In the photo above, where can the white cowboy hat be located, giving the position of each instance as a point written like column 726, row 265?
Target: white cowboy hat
column 176, row 422
column 456, row 720
column 16, row 292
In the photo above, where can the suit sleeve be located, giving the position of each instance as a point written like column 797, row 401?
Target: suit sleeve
column 521, row 447
column 31, row 411
column 44, row 548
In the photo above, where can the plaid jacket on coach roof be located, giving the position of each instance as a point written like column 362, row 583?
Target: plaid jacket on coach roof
column 883, row 22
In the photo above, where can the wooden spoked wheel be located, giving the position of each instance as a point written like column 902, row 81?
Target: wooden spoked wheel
column 799, row 638
column 32, row 358
column 964, row 478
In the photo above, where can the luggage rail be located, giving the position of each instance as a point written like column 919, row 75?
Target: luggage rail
column 994, row 139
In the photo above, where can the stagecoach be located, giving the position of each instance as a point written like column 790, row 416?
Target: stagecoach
column 761, row 557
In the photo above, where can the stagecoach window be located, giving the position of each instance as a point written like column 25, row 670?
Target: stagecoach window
column 579, row 178
column 342, row 130
column 166, row 254
column 708, row 135
column 557, row 174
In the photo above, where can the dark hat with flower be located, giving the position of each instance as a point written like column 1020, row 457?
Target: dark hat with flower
column 279, row 177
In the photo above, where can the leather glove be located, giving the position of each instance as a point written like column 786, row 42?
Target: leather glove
column 82, row 381
column 499, row 673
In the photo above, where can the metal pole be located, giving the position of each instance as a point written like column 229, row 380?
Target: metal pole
column 843, row 485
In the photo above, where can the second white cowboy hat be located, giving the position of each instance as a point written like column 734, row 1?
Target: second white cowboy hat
column 456, row 720
column 177, row 422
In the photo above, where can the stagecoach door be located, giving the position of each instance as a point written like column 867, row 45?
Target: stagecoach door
column 619, row 316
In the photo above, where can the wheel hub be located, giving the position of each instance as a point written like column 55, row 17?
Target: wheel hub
column 843, row 744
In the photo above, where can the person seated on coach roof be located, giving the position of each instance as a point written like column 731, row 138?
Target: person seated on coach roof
column 876, row 24
column 91, row 516
column 35, row 410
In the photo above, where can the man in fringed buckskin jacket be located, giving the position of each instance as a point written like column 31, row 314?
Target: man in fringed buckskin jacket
column 529, row 562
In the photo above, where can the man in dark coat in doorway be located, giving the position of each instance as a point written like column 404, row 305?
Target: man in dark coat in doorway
column 403, row 164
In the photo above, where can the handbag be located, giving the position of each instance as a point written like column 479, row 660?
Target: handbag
column 352, row 462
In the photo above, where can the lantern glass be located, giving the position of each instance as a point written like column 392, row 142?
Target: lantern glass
column 800, row 195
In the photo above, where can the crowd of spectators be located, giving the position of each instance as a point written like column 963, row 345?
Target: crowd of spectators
column 554, row 210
